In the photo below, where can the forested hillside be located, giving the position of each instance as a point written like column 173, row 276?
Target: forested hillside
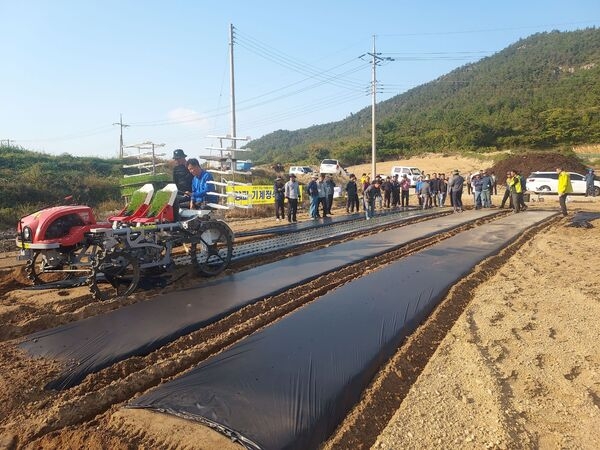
column 541, row 92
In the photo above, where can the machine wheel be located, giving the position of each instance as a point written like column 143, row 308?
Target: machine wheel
column 40, row 270
column 114, row 274
column 544, row 189
column 211, row 250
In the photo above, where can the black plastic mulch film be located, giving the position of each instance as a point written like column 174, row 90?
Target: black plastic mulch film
column 289, row 385
column 92, row 344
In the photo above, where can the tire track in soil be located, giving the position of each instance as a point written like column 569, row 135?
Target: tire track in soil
column 93, row 401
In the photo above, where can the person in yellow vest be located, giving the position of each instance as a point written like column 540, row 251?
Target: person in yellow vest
column 564, row 188
column 514, row 185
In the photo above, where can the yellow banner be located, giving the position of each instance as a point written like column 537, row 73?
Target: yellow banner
column 255, row 195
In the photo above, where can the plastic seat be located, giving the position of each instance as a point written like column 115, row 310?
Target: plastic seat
column 137, row 206
column 161, row 206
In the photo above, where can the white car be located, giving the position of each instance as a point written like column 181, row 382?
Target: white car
column 412, row 173
column 547, row 182
column 331, row 166
column 300, row 170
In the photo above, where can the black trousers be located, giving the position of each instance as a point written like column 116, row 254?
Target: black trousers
column 352, row 203
column 323, row 204
column 292, row 209
column 405, row 197
column 279, row 208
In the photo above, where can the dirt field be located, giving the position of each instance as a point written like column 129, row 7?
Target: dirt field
column 511, row 359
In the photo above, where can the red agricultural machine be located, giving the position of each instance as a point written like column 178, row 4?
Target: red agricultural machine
column 67, row 243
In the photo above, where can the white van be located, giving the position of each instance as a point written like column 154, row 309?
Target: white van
column 412, row 173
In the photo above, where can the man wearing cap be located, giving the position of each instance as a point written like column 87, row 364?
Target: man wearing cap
column 455, row 186
column 201, row 188
column 279, row 195
column 313, row 192
column 182, row 178
column 292, row 193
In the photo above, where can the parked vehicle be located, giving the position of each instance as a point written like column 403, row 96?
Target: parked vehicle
column 412, row 173
column 547, row 182
column 331, row 166
column 300, row 170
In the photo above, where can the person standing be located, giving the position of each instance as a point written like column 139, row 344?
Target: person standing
column 313, row 192
column 292, row 193
column 564, row 188
column 182, row 178
column 476, row 186
column 329, row 190
column 322, row 194
column 507, row 196
column 425, row 193
column 386, row 187
column 434, row 185
column 418, row 190
column 487, row 188
column 494, row 182
column 352, row 193
column 370, row 194
column 456, row 188
column 279, row 195
column 469, row 186
column 405, row 191
column 201, row 186
column 514, row 185
column 395, row 191
column 449, row 189
column 590, row 190
column 442, row 190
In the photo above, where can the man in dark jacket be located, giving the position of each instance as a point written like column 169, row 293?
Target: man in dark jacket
column 279, row 194
column 352, row 193
column 182, row 178
column 329, row 190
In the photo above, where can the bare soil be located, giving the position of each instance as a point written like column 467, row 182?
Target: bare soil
column 510, row 359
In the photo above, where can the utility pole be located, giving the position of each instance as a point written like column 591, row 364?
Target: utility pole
column 121, row 125
column 375, row 60
column 232, row 82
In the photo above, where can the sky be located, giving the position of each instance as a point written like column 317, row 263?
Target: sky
column 70, row 69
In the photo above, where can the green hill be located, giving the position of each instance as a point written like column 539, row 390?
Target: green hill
column 31, row 180
column 541, row 92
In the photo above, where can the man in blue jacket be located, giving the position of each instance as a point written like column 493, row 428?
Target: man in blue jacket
column 201, row 187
